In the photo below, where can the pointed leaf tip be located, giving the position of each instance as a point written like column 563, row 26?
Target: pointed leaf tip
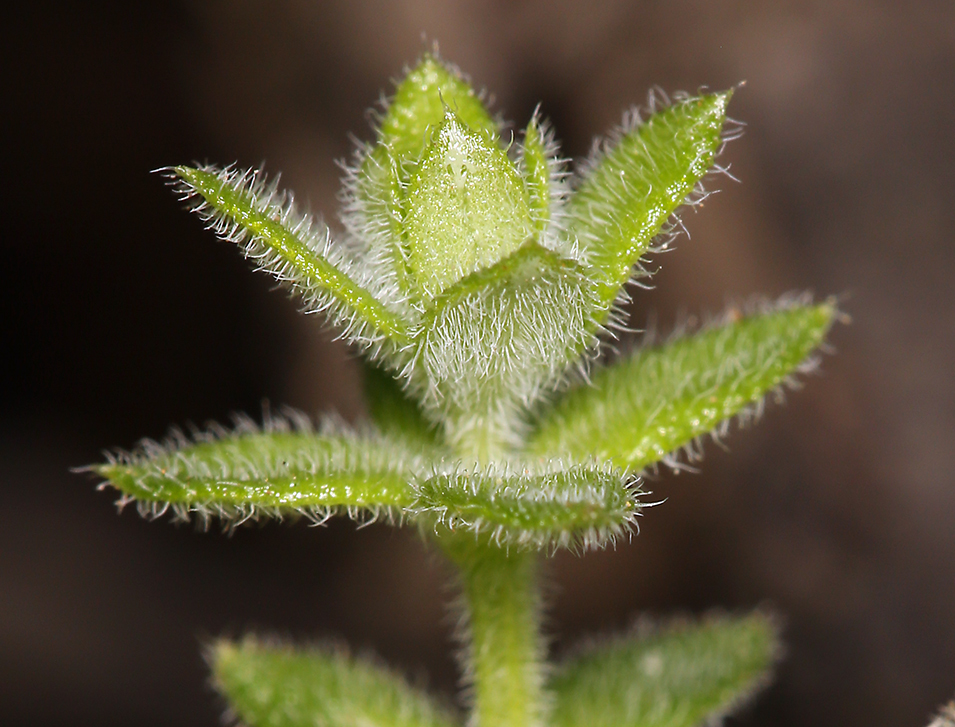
column 465, row 206
column 635, row 184
column 537, row 175
column 420, row 102
column 242, row 208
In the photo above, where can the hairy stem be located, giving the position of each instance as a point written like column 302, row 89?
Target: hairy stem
column 481, row 438
column 503, row 654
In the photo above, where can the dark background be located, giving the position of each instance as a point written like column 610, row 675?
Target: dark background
column 121, row 316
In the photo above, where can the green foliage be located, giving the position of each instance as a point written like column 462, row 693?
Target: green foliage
column 420, row 103
column 476, row 281
column 248, row 473
column 274, row 685
column 585, row 505
column 494, row 341
column 394, row 412
column 676, row 676
column 645, row 406
column 468, row 207
column 536, row 163
column 638, row 182
column 293, row 248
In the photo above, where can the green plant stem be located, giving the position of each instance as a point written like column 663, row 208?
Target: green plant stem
column 503, row 658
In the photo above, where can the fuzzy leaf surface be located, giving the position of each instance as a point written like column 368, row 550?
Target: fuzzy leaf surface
column 376, row 209
column 420, row 103
column 536, row 168
column 586, row 506
column 466, row 207
column 253, row 473
column 648, row 404
column 675, row 677
column 288, row 246
column 270, row 685
column 637, row 184
column 493, row 340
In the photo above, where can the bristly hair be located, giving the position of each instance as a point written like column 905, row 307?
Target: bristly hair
column 279, row 206
column 633, row 118
column 539, row 506
column 219, row 460
column 688, row 455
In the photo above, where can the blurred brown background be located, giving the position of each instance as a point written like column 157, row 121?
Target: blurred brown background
column 122, row 316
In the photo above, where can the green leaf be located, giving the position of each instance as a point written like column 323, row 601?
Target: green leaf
column 374, row 208
column 420, row 103
column 394, row 412
column 291, row 247
column 493, row 341
column 248, row 473
column 536, row 168
column 272, row 685
column 465, row 206
column 638, row 183
column 675, row 677
column 648, row 404
column 584, row 506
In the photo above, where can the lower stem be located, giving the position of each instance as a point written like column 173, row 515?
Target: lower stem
column 501, row 632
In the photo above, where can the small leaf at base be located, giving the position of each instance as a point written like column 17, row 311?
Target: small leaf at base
column 675, row 677
column 272, row 685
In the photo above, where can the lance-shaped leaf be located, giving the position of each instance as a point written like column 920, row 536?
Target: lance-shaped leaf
column 648, row 404
column 536, row 166
column 248, row 473
column 495, row 339
column 241, row 208
column 584, row 506
column 420, row 103
column 273, row 685
column 678, row 676
column 375, row 186
column 465, row 206
column 636, row 184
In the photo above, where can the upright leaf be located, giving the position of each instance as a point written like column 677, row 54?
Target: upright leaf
column 679, row 676
column 648, row 404
column 465, row 206
column 293, row 248
column 638, row 183
column 272, row 685
column 536, row 168
column 374, row 210
column 422, row 99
